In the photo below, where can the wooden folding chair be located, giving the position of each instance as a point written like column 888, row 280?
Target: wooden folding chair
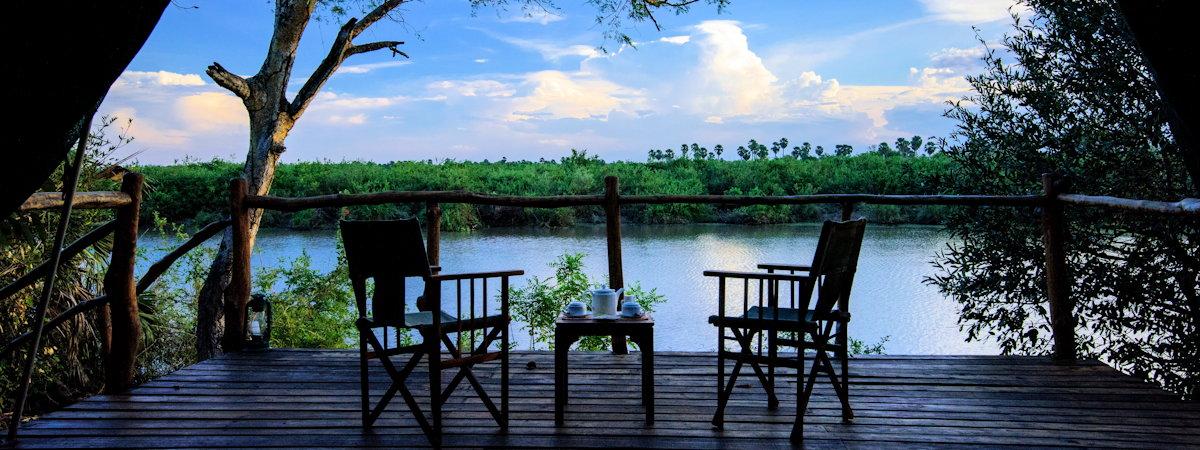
column 389, row 253
column 820, row 328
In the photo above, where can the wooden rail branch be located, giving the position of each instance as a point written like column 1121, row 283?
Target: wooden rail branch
column 83, row 200
column 877, row 199
column 77, row 247
column 152, row 274
column 160, row 267
column 382, row 198
column 1185, row 207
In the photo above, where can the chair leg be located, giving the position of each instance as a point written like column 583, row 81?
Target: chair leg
column 797, row 435
column 435, row 389
column 504, row 379
column 364, row 381
column 839, row 387
column 773, row 353
column 724, row 394
column 718, row 420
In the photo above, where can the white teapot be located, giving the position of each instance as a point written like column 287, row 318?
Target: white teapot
column 604, row 301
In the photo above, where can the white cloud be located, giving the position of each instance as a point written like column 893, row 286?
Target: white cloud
column 133, row 78
column 734, row 79
column 481, row 60
column 677, row 40
column 553, row 51
column 971, row 11
column 958, row 58
column 356, row 119
column 558, row 95
column 364, row 68
column 211, row 112
column 472, row 88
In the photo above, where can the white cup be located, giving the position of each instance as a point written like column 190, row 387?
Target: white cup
column 576, row 308
column 630, row 308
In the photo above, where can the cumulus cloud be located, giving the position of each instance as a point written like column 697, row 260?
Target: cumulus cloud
column 735, row 80
column 211, row 111
column 133, row 78
column 554, row 94
column 973, row 11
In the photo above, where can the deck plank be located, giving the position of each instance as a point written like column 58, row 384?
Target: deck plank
column 309, row 398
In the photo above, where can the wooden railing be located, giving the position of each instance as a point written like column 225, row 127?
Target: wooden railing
column 121, row 334
column 1051, row 201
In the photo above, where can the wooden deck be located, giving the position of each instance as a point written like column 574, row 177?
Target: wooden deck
column 298, row 398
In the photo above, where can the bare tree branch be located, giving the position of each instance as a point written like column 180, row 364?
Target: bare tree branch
column 375, row 15
column 228, row 80
column 342, row 48
column 363, row 48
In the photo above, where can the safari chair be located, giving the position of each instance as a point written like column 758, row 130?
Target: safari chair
column 801, row 325
column 390, row 253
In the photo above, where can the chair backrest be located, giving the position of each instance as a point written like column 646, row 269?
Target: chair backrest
column 835, row 262
column 388, row 252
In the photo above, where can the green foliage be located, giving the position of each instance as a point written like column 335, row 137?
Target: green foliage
column 312, row 310
column 1071, row 94
column 193, row 193
column 858, row 347
column 541, row 301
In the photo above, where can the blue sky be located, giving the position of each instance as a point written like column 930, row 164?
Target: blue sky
column 527, row 84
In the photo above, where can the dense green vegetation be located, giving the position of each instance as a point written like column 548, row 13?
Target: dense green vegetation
column 196, row 192
column 1071, row 94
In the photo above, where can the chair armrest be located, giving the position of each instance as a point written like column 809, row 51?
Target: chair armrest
column 435, row 269
column 476, row 275
column 756, row 275
column 796, row 267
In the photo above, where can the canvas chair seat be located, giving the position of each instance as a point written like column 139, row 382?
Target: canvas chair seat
column 764, row 317
column 425, row 319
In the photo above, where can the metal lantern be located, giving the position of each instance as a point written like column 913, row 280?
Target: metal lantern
column 258, row 323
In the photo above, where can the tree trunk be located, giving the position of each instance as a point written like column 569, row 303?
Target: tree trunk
column 270, row 123
column 272, row 117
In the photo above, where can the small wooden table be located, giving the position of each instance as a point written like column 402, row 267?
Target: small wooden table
column 567, row 331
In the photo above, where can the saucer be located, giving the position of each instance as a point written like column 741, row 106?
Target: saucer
column 567, row 315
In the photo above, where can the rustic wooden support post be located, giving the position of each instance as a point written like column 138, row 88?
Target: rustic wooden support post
column 433, row 228
column 1058, row 276
column 238, row 292
column 847, row 211
column 612, row 229
column 124, row 327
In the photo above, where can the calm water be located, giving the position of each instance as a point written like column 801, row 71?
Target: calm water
column 889, row 298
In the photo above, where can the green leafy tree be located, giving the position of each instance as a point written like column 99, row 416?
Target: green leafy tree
column 1072, row 95
column 915, row 142
column 743, row 152
column 800, row 153
column 884, row 149
column 904, row 147
column 820, row 151
column 843, row 150
column 683, row 151
column 719, row 149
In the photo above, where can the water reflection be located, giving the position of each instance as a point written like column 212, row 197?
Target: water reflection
column 889, row 298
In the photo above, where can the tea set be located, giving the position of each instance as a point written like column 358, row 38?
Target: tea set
column 604, row 306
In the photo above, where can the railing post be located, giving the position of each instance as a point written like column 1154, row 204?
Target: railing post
column 847, row 211
column 433, row 224
column 238, row 292
column 124, row 327
column 612, row 229
column 1058, row 276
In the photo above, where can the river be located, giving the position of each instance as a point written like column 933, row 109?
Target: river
column 889, row 297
